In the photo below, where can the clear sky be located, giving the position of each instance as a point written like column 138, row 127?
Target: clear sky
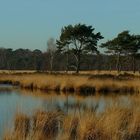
column 30, row 23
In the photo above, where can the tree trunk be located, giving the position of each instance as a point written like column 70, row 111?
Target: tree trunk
column 110, row 67
column 67, row 62
column 78, row 63
column 134, row 64
column 99, row 63
column 118, row 63
column 51, row 63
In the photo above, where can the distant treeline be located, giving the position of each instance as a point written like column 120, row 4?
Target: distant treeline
column 25, row 59
column 77, row 49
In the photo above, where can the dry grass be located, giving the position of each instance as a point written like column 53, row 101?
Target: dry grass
column 21, row 128
column 22, row 125
column 41, row 126
column 83, row 84
column 89, row 72
column 47, row 124
column 115, row 123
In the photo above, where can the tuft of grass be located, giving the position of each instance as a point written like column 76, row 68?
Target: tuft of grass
column 74, row 129
column 47, row 124
column 22, row 126
column 92, row 132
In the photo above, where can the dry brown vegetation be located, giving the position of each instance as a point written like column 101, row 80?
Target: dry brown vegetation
column 83, row 83
column 115, row 123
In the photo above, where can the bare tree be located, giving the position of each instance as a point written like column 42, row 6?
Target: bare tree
column 51, row 50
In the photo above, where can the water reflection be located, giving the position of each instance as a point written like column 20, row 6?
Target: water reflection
column 13, row 101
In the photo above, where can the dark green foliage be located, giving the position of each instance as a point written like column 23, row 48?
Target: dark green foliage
column 21, row 59
column 124, row 44
column 80, row 39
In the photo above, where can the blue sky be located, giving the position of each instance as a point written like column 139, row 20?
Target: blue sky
column 30, row 23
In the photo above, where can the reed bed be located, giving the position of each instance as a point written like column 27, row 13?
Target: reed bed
column 82, row 84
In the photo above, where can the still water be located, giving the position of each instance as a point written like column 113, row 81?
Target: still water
column 14, row 100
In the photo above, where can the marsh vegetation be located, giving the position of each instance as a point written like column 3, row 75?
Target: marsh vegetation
column 114, row 123
column 87, row 106
column 84, row 84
